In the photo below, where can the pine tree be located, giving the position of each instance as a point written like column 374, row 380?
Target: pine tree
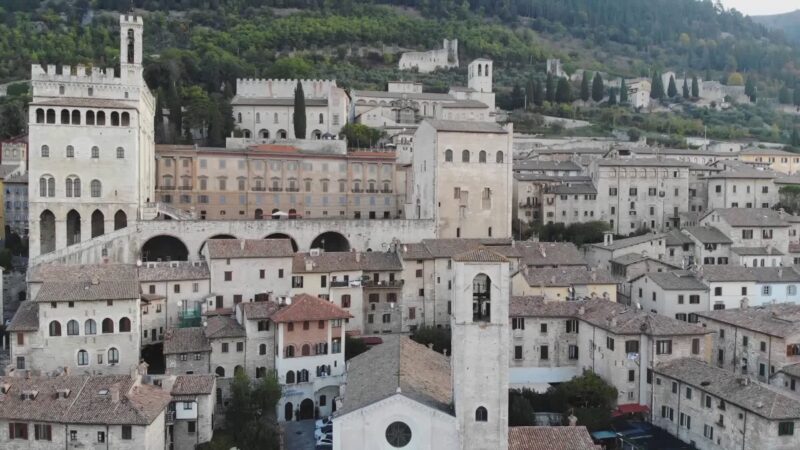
column 563, row 91
column 695, row 87
column 530, row 88
column 656, row 87
column 598, row 89
column 550, row 95
column 299, row 118
column 517, row 97
column 612, row 96
column 538, row 93
column 750, row 89
column 585, row 87
column 795, row 140
column 685, row 88
column 623, row 92
column 672, row 90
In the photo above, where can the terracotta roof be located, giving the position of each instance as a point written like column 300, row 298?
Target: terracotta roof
column 249, row 248
column 791, row 369
column 83, row 102
column 81, row 272
column 564, row 189
column 464, row 126
column 326, row 262
column 186, row 340
column 779, row 319
column 90, row 400
column 677, row 280
column 614, row 317
column 26, row 318
column 550, row 254
column 550, row 438
column 717, row 273
column 415, row 251
column 627, row 242
column 566, row 276
column 481, row 254
column 307, row 307
column 399, row 366
column 223, row 327
column 756, row 251
column 259, row 310
column 193, row 385
column 726, row 385
column 708, row 235
column 642, row 162
column 63, row 291
column 173, row 270
column 447, row 248
column 750, row 217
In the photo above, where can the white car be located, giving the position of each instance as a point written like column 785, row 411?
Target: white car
column 324, row 422
column 326, row 439
column 324, row 431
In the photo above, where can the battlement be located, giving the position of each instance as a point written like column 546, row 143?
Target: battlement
column 126, row 19
column 282, row 88
column 72, row 74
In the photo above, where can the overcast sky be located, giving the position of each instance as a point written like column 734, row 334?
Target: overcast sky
column 761, row 7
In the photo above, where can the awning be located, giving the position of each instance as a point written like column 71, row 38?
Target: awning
column 600, row 435
column 371, row 340
column 630, row 408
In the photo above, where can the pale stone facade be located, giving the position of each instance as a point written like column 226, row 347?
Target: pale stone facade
column 425, row 62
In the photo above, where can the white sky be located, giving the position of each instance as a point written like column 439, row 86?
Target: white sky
column 761, row 7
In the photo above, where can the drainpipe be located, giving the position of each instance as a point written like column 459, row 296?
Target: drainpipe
column 744, row 430
column 769, row 361
column 678, row 422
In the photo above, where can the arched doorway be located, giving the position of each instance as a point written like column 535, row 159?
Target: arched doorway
column 223, row 236
column 164, row 248
column 47, row 232
column 259, row 214
column 307, row 409
column 331, row 241
column 73, row 227
column 283, row 236
column 288, row 411
column 98, row 223
column 481, row 298
column 120, row 220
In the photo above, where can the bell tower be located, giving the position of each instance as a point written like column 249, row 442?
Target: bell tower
column 131, row 30
column 480, row 348
column 479, row 75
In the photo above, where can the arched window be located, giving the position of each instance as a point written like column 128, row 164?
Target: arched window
column 51, row 116
column 281, row 134
column 305, row 350
column 83, row 358
column 64, row 117
column 321, row 118
column 39, row 115
column 114, row 119
column 263, row 134
column 481, row 304
column 262, row 349
column 247, row 133
column 89, row 117
column 124, row 325
column 288, row 352
column 90, row 327
column 465, row 156
column 481, row 415
column 239, row 117
column 70, row 151
column 73, row 329
column 45, row 151
column 68, row 187
column 448, row 155
column 113, row 356
column 480, row 72
column 120, row 153
column 302, row 376
column 76, row 188
column 499, row 158
column 72, row 186
column 237, row 370
column 126, row 119
column 220, row 371
column 108, row 326
column 482, row 157
column 290, row 377
column 76, row 117
column 96, row 188
column 95, row 152
column 258, row 117
column 101, row 117
column 42, row 187
column 55, row 328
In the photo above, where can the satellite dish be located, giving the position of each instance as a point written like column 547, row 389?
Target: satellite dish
column 138, row 263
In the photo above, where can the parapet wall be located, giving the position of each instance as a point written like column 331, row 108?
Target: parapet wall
column 282, row 88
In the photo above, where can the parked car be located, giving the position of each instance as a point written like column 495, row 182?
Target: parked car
column 324, row 422
column 326, row 430
column 326, row 439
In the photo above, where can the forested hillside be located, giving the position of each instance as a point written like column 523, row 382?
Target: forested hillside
column 195, row 49
column 789, row 23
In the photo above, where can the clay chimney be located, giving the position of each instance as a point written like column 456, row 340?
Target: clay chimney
column 358, row 256
column 573, row 421
column 114, row 392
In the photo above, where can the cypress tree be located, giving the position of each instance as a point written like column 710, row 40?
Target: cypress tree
column 785, row 96
column 585, row 87
column 623, row 92
column 750, row 89
column 695, row 87
column 550, row 94
column 612, row 96
column 530, row 88
column 299, row 112
column 795, row 140
column 563, row 91
column 656, row 87
column 685, row 88
column 538, row 93
column 598, row 89
column 672, row 90
column 797, row 95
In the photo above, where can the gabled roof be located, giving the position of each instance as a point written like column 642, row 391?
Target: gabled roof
column 708, row 235
column 756, row 251
column 81, row 272
column 479, row 255
column 249, row 248
column 103, row 289
column 174, row 271
column 307, row 307
column 726, row 385
column 186, row 340
column 26, row 318
column 550, row 254
column 326, row 262
column 678, row 280
column 627, row 242
column 550, row 438
column 566, row 276
column 193, row 385
column 675, row 237
column 750, row 217
column 780, row 319
column 449, row 247
column 722, row 273
column 223, row 327
column 259, row 310
column 398, row 366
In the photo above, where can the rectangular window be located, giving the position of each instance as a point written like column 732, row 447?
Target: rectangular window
column 631, row 376
column 688, row 393
column 518, row 323
column 664, row 347
column 17, row 430
column 573, row 352
column 42, row 432
column 240, row 347
column 708, row 432
column 572, row 325
column 224, row 347
column 297, row 281
column 631, row 346
column 191, row 426
column 717, row 291
column 544, row 352
column 543, row 328
column 610, row 343
column 262, row 274
column 228, row 276
column 517, row 352
column 696, row 346
column 785, row 428
column 101, row 436
column 127, row 433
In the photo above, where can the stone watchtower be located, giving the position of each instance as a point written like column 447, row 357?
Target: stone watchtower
column 480, row 349
column 479, row 75
column 130, row 46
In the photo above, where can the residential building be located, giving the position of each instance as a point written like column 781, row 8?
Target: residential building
column 712, row 247
column 190, row 415
column 714, row 409
column 776, row 159
column 565, row 283
column 679, row 294
column 600, row 255
column 16, row 203
column 568, row 204
column 680, row 249
column 628, row 267
column 760, row 236
column 742, row 188
column 728, row 286
column 453, row 159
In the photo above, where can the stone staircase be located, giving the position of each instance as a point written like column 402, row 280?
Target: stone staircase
column 153, row 210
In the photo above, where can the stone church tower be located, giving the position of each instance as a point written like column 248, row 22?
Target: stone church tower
column 480, row 349
column 92, row 147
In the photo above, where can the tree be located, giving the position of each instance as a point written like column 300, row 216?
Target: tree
column 735, row 79
column 612, row 96
column 795, row 139
column 563, row 91
column 785, row 96
column 750, row 89
column 695, row 87
column 672, row 90
column 196, row 111
column 585, row 86
column 292, row 67
column 623, row 93
column 439, row 337
column 550, row 95
column 598, row 89
column 590, row 397
column 656, row 87
column 251, row 411
column 517, row 97
column 796, row 99
column 353, row 347
column 685, row 88
column 299, row 117
column 520, row 411
column 360, row 136
column 538, row 93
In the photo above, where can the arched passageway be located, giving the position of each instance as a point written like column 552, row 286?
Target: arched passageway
column 164, row 248
column 47, row 231
column 283, row 236
column 331, row 241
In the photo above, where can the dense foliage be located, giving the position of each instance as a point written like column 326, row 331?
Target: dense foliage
column 250, row 416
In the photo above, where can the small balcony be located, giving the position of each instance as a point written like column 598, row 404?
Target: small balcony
column 291, row 189
column 385, row 284
column 386, row 191
column 276, row 189
column 190, row 317
column 165, row 188
column 185, row 188
column 169, row 417
column 340, row 283
column 259, row 189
